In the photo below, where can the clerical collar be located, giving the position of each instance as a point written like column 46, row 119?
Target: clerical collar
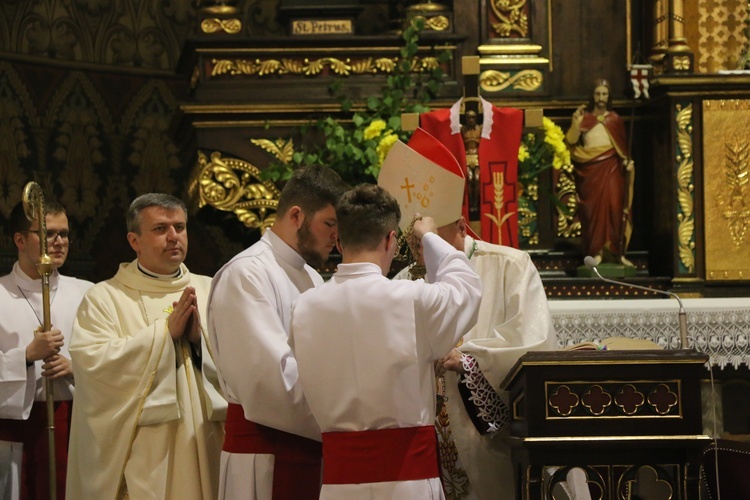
column 162, row 277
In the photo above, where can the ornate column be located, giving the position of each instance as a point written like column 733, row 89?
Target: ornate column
column 660, row 27
column 679, row 57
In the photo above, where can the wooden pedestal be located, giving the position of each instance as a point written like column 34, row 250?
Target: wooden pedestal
column 630, row 419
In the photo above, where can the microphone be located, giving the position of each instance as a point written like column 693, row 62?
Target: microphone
column 590, row 262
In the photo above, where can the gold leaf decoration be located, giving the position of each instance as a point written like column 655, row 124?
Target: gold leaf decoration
column 495, row 81
column 685, row 188
column 281, row 149
column 734, row 203
column 435, row 23
column 567, row 226
column 315, row 67
column 215, row 25
column 234, row 185
column 511, row 17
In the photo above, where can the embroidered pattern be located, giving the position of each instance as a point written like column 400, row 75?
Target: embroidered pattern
column 491, row 412
column 452, row 472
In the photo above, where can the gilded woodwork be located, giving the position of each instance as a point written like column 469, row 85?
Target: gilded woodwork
column 435, row 23
column 510, row 18
column 720, row 36
column 527, row 213
column 685, row 187
column 726, row 125
column 281, row 149
column 527, row 80
column 567, row 224
column 216, row 25
column 234, row 185
column 316, row 67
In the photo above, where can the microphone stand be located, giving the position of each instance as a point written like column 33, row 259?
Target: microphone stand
column 590, row 262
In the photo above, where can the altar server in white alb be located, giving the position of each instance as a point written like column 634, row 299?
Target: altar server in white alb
column 366, row 348
column 148, row 416
column 272, row 444
column 29, row 356
column 514, row 318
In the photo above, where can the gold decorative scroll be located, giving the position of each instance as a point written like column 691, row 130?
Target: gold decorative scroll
column 215, row 25
column 494, row 81
column 726, row 167
column 435, row 23
column 234, row 185
column 685, row 187
column 511, row 16
column 565, row 191
column 307, row 67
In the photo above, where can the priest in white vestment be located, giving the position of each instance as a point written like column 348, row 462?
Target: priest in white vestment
column 28, row 358
column 148, row 417
column 514, row 318
column 272, row 443
column 366, row 349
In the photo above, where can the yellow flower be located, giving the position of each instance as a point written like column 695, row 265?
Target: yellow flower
column 523, row 153
column 553, row 135
column 374, row 129
column 385, row 145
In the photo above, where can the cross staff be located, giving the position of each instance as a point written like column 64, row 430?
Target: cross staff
column 33, row 207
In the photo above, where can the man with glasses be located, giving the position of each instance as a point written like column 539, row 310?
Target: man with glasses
column 29, row 355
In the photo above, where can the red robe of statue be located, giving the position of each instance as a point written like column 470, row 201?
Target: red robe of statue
column 602, row 188
column 498, row 164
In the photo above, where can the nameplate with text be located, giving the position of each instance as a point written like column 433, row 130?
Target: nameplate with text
column 322, row 27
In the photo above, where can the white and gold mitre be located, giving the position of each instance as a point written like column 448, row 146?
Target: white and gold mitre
column 424, row 177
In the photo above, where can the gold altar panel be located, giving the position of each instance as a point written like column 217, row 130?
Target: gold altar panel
column 720, row 37
column 726, row 159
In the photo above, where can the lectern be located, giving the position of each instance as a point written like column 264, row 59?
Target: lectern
column 631, row 420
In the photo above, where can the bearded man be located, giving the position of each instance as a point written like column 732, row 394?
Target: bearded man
column 272, row 445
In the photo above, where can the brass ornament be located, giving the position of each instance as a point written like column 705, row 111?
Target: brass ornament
column 308, row 67
column 216, row 25
column 511, row 17
column 685, row 187
column 527, row 80
column 281, row 149
column 567, row 226
column 234, row 185
column 681, row 63
column 435, row 23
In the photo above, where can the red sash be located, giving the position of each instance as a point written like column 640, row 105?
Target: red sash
column 33, row 434
column 296, row 470
column 404, row 454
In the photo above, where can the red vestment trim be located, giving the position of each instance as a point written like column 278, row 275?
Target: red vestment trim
column 35, row 462
column 296, row 470
column 376, row 456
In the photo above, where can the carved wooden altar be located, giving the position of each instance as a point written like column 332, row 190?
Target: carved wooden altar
column 700, row 151
column 629, row 419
